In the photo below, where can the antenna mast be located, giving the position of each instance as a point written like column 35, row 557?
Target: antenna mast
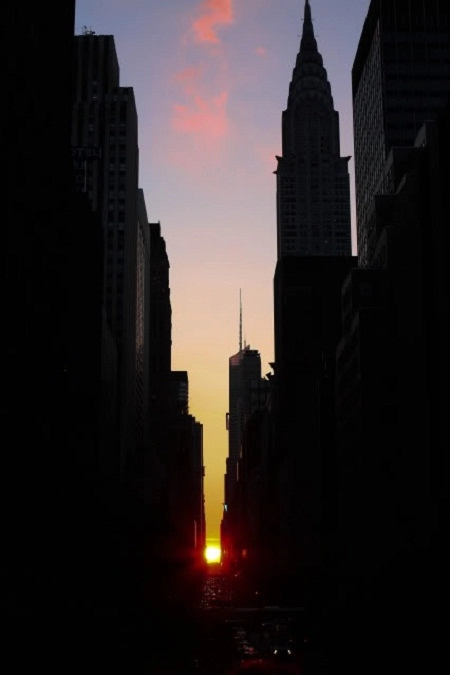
column 240, row 321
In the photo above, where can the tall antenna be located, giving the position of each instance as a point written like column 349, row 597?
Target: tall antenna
column 240, row 321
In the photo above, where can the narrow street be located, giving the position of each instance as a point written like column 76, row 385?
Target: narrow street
column 234, row 637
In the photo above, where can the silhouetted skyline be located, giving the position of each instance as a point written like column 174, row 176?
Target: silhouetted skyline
column 211, row 82
column 338, row 483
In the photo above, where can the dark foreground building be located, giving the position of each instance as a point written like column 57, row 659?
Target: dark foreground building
column 54, row 550
column 307, row 330
column 392, row 459
column 48, row 358
column 400, row 79
column 392, row 466
column 361, row 485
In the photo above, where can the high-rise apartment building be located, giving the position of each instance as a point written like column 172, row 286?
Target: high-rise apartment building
column 313, row 188
column 400, row 79
column 105, row 142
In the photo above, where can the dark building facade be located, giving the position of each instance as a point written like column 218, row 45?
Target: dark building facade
column 391, row 468
column 307, row 330
column 143, row 272
column 392, row 471
column 160, row 359
column 400, row 79
column 185, row 473
column 244, row 397
column 244, row 368
column 80, row 544
column 313, row 189
column 253, row 511
column 50, row 469
column 105, row 142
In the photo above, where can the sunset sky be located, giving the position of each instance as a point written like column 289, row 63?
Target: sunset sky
column 211, row 80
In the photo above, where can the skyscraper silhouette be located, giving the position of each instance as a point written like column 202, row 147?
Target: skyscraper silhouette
column 400, row 79
column 314, row 257
column 244, row 397
column 313, row 190
column 105, row 138
column 49, row 467
column 392, row 365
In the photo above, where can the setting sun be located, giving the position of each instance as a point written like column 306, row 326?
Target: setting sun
column 212, row 554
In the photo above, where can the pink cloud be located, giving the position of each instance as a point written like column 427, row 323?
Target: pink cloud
column 188, row 75
column 261, row 51
column 202, row 116
column 200, row 120
column 213, row 14
column 189, row 79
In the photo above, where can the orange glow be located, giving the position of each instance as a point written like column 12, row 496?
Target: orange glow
column 212, row 554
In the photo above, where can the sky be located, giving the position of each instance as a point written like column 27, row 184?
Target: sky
column 211, row 79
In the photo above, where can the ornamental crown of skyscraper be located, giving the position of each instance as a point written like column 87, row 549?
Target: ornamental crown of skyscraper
column 309, row 77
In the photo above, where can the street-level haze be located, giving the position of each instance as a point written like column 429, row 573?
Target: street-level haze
column 211, row 79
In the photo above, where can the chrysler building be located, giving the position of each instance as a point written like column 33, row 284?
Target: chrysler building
column 313, row 187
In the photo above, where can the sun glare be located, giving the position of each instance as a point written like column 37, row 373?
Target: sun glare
column 212, row 554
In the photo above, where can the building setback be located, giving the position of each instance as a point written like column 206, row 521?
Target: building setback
column 313, row 189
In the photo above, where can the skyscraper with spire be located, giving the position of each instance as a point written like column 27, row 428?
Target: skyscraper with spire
column 244, row 397
column 313, row 259
column 313, row 188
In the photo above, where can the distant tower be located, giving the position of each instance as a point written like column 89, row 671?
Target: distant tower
column 313, row 188
column 244, row 376
column 240, row 320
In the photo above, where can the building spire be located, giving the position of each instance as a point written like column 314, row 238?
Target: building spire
column 308, row 44
column 240, row 321
column 307, row 15
column 309, row 77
